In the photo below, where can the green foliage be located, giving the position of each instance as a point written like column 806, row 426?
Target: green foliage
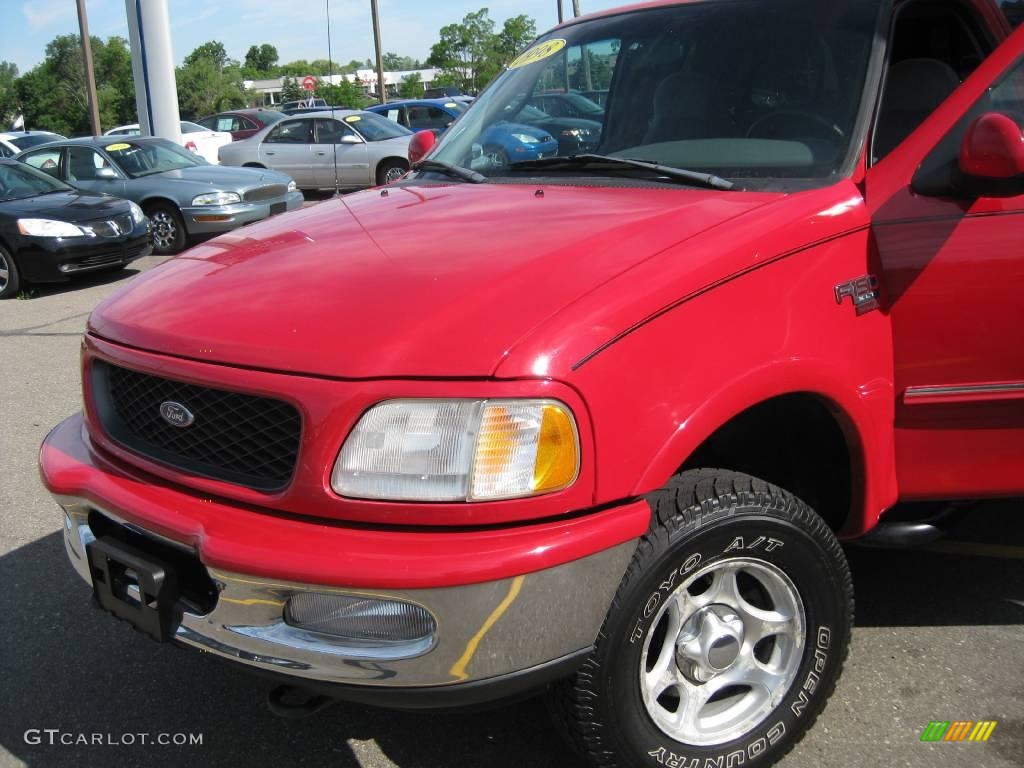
column 395, row 63
column 291, row 90
column 262, row 59
column 470, row 54
column 345, row 94
column 212, row 52
column 8, row 93
column 209, row 82
column 411, row 87
column 53, row 97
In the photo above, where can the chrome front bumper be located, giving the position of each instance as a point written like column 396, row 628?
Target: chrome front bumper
column 214, row 219
column 486, row 630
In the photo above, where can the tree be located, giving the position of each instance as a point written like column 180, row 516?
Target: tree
column 261, row 58
column 209, row 82
column 8, row 93
column 395, row 63
column 465, row 51
column 411, row 87
column 52, row 94
column 516, row 33
column 291, row 90
column 298, row 68
column 345, row 94
column 213, row 51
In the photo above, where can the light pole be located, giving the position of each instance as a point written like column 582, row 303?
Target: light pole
column 381, row 86
column 90, row 75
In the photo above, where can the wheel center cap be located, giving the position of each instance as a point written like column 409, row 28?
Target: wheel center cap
column 709, row 642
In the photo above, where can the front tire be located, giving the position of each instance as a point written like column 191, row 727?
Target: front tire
column 10, row 280
column 391, row 171
column 726, row 636
column 169, row 236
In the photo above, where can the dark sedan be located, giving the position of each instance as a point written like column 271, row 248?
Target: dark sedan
column 241, row 123
column 50, row 232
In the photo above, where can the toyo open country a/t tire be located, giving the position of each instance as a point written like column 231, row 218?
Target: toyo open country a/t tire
column 739, row 590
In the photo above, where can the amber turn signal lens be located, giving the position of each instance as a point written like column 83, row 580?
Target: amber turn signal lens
column 557, row 452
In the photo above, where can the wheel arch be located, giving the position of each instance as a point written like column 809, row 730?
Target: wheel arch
column 832, row 445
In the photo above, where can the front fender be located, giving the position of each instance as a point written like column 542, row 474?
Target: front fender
column 661, row 389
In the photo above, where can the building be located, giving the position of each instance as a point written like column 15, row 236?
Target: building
column 268, row 92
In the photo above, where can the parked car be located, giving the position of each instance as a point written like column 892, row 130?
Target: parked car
column 345, row 148
column 182, row 194
column 13, row 142
column 421, row 114
column 241, row 123
column 50, row 232
column 287, row 106
column 506, row 141
column 194, row 138
column 597, row 422
column 568, row 104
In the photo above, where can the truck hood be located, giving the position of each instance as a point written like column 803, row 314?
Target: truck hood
column 424, row 281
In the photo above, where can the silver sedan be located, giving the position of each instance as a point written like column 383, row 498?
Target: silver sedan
column 182, row 194
column 343, row 148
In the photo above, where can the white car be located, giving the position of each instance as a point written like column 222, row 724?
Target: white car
column 13, row 142
column 194, row 138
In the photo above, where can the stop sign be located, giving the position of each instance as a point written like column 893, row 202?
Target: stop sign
column 309, row 83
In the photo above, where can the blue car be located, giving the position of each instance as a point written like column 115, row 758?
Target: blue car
column 503, row 143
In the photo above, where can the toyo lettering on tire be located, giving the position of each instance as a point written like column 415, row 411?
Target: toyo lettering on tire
column 726, row 636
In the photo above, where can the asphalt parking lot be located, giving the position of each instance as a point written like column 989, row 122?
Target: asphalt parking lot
column 939, row 636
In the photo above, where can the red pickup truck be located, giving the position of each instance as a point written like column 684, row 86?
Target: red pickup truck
column 592, row 422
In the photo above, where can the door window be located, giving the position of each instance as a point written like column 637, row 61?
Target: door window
column 292, row 132
column 331, row 131
column 428, row 118
column 935, row 46
column 84, row 164
column 46, row 160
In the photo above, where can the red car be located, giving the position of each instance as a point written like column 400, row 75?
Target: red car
column 241, row 123
column 596, row 422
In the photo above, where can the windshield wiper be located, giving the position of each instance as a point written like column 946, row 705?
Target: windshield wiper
column 708, row 180
column 455, row 171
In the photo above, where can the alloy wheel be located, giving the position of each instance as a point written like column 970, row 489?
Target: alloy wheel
column 723, row 651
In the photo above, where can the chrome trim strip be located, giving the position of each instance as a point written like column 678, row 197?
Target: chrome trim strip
column 970, row 389
column 484, row 630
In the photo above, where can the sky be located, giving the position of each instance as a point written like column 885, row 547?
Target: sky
column 296, row 27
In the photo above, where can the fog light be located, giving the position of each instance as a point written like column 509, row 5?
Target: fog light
column 361, row 620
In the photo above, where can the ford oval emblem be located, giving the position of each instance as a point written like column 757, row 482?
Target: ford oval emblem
column 176, row 414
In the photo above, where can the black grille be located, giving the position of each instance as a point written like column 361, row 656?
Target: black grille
column 243, row 439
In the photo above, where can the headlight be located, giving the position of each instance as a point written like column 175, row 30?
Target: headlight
column 217, row 198
column 137, row 215
column 459, row 450
column 292, row 186
column 51, row 228
column 525, row 138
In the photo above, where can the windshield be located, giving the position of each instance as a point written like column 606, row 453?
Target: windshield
column 34, row 139
column 145, row 159
column 747, row 89
column 373, row 127
column 187, row 127
column 18, row 181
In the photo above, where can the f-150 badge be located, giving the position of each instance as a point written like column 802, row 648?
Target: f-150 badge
column 863, row 292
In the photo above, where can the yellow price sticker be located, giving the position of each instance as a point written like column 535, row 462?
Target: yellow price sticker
column 353, row 119
column 117, row 147
column 539, row 52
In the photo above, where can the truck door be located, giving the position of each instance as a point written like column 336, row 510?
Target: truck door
column 949, row 234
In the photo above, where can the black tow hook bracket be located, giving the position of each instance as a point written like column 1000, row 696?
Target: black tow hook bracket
column 294, row 702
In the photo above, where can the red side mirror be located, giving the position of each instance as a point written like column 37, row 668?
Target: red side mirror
column 420, row 144
column 993, row 148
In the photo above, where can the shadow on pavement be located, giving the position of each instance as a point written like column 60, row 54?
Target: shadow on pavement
column 103, row 277
column 65, row 665
column 955, row 587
